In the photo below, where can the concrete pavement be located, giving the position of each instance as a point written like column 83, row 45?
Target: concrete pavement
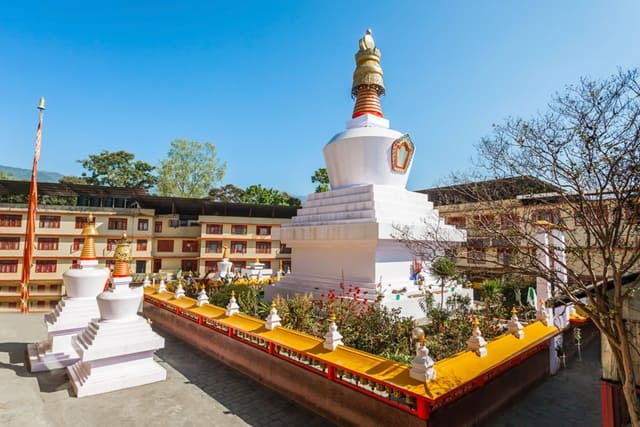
column 199, row 391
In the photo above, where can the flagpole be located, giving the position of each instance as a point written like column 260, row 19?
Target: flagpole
column 29, row 239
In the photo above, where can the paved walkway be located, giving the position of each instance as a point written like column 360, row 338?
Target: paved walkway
column 571, row 398
column 199, row 391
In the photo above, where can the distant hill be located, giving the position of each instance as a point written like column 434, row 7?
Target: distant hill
column 25, row 174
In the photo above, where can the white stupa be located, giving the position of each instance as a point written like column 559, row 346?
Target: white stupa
column 116, row 351
column 74, row 311
column 225, row 266
column 346, row 235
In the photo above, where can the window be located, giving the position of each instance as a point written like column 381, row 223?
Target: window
column 211, row 266
column 509, row 221
column 141, row 267
column 505, row 256
column 214, row 228
column 9, row 243
column 189, row 265
column 165, row 245
column 8, row 265
column 190, row 246
column 263, row 247
column 632, row 213
column 49, row 221
column 81, row 221
column 477, row 251
column 267, row 264
column 143, row 224
column 46, row 266
column 548, row 215
column 238, row 247
column 141, row 245
column 213, row 246
column 284, row 249
column 239, row 265
column 157, row 265
column 111, row 244
column 263, row 230
column 10, row 220
column 47, row 243
column 117, row 224
column 483, row 220
column 476, row 255
column 238, row 229
column 77, row 244
column 157, row 227
column 591, row 215
column 456, row 221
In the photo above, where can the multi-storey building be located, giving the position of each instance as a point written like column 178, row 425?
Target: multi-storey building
column 488, row 210
column 166, row 234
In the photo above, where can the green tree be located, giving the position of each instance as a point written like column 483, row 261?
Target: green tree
column 445, row 269
column 117, row 169
column 7, row 176
column 228, row 193
column 70, row 179
column 322, row 178
column 268, row 196
column 190, row 169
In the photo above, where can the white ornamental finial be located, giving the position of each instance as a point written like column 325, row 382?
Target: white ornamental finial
column 477, row 343
column 332, row 338
column 273, row 320
column 514, row 326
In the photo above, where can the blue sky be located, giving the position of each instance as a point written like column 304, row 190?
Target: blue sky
column 269, row 82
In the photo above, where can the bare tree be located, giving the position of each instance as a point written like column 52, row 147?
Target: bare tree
column 583, row 158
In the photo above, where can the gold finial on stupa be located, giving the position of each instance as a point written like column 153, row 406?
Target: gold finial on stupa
column 476, row 322
column 368, row 83
column 89, row 245
column 225, row 252
column 122, row 256
column 257, row 261
column 514, row 311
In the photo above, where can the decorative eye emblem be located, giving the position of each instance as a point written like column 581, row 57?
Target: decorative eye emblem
column 401, row 153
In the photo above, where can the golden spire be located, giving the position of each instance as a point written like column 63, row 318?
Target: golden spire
column 89, row 246
column 368, row 84
column 476, row 323
column 225, row 252
column 122, row 256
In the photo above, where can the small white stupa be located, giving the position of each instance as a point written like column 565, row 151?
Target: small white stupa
column 74, row 311
column 116, row 351
column 346, row 235
column 224, row 266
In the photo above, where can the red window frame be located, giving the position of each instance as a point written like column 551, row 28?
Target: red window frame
column 81, row 221
column 263, row 247
column 238, row 229
column 8, row 265
column 238, row 247
column 157, row 227
column 214, row 229
column 77, row 244
column 46, row 265
column 9, row 243
column 456, row 221
column 213, row 246
column 117, row 224
column 48, row 243
column 9, row 220
column 263, row 230
column 190, row 246
column 143, row 224
column 49, row 221
column 141, row 245
column 111, row 244
column 165, row 245
column 211, row 266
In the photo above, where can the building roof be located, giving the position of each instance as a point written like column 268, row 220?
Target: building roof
column 140, row 198
column 494, row 189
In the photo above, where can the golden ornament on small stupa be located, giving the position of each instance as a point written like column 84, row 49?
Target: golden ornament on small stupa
column 368, row 83
column 225, row 252
column 122, row 256
column 89, row 245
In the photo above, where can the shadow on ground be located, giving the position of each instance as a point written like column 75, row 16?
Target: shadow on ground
column 242, row 396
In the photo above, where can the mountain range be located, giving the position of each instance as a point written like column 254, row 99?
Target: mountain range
column 25, row 174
